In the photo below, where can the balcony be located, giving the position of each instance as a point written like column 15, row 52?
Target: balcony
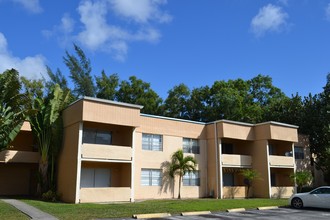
column 236, row 160
column 106, row 194
column 281, row 161
column 282, row 191
column 106, row 152
column 13, row 156
column 233, row 192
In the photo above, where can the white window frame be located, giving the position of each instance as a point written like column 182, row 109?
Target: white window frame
column 154, row 142
column 191, row 178
column 190, row 145
column 151, row 177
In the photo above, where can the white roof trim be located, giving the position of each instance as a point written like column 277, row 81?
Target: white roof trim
column 172, row 119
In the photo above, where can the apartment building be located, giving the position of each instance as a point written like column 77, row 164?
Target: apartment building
column 112, row 152
column 19, row 165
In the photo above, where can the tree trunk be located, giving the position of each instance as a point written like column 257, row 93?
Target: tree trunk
column 180, row 178
column 43, row 183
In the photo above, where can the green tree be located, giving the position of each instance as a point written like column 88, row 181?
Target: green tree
column 301, row 178
column 180, row 165
column 107, row 86
column 176, row 102
column 45, row 127
column 57, row 78
column 80, row 73
column 136, row 91
column 198, row 104
column 249, row 175
column 13, row 107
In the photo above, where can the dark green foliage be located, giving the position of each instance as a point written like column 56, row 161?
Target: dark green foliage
column 80, row 73
column 13, row 107
column 136, row 91
column 107, row 86
column 176, row 103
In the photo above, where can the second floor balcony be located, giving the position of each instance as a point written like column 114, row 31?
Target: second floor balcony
column 235, row 160
column 106, row 152
column 281, row 161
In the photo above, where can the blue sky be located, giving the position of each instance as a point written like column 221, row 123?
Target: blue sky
column 175, row 41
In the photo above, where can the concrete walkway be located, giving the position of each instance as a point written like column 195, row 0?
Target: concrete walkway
column 31, row 211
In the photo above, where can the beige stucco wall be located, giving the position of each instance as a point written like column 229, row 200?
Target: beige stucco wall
column 282, row 191
column 110, row 113
column 211, row 162
column 235, row 131
column 260, row 164
column 109, row 152
column 68, row 164
column 273, row 131
column 108, row 194
column 23, row 141
column 173, row 133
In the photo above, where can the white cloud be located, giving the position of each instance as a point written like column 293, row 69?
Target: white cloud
column 327, row 12
column 30, row 67
column 63, row 31
column 270, row 18
column 30, row 5
column 141, row 11
column 99, row 34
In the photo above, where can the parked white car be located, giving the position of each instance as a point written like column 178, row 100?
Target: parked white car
column 318, row 198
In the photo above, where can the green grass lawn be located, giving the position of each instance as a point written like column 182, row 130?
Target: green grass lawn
column 11, row 213
column 89, row 211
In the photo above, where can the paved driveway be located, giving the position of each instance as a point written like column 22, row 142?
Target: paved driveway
column 272, row 214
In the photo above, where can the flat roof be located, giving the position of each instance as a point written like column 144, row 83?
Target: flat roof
column 172, row 119
column 107, row 102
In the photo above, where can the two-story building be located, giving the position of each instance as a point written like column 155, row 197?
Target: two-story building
column 111, row 152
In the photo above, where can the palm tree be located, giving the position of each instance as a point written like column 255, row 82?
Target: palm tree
column 249, row 176
column 46, row 124
column 13, row 107
column 180, row 165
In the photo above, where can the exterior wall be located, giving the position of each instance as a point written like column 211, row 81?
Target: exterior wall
column 19, row 165
column 212, row 162
column 100, row 112
column 260, row 164
column 68, row 164
column 173, row 132
column 125, row 157
column 235, row 130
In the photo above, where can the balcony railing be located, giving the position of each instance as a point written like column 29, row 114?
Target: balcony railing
column 282, row 191
column 106, row 194
column 236, row 160
column 13, row 156
column 106, row 152
column 231, row 192
column 281, row 161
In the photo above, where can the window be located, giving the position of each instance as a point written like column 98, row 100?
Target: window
column 227, row 148
column 191, row 179
column 299, row 152
column 152, row 142
column 228, row 179
column 151, row 177
column 190, row 146
column 94, row 136
column 94, row 177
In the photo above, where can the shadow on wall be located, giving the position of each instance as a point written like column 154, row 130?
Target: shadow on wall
column 167, row 181
column 280, row 192
column 231, row 193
